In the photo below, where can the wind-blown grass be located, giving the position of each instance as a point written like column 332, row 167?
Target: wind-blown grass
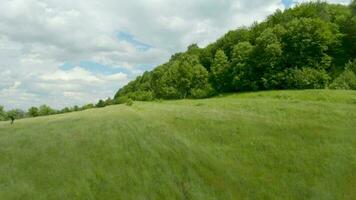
column 265, row 145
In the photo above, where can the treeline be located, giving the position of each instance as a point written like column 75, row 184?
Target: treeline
column 45, row 110
column 310, row 46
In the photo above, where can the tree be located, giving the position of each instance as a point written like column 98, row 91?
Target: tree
column 16, row 113
column 88, row 106
column 221, row 73
column 100, row 104
column 179, row 78
column 2, row 113
column 45, row 110
column 241, row 66
column 75, row 108
column 33, row 112
column 307, row 43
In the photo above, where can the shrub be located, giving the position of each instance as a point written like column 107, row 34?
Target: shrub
column 121, row 100
column 141, row 96
column 198, row 93
column 100, row 104
column 345, row 81
column 129, row 102
column 307, row 78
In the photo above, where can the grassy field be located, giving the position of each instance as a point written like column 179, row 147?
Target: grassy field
column 265, row 145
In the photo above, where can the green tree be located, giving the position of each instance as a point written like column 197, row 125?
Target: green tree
column 241, row 66
column 45, row 110
column 100, row 104
column 87, row 106
column 307, row 43
column 16, row 113
column 2, row 113
column 33, row 112
column 179, row 78
column 221, row 72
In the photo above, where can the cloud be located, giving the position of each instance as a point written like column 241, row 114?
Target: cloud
column 39, row 37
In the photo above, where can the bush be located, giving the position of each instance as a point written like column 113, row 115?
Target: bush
column 100, row 104
column 121, row 100
column 345, row 81
column 306, row 78
column 141, row 96
column 129, row 102
column 198, row 93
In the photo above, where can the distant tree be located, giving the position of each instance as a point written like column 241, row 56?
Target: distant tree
column 33, row 112
column 87, row 106
column 65, row 110
column 2, row 113
column 15, row 113
column 109, row 101
column 76, row 108
column 45, row 110
column 100, row 104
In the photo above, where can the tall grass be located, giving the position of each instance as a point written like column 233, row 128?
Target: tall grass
column 266, row 145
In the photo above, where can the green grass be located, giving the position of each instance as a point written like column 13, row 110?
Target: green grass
column 265, row 145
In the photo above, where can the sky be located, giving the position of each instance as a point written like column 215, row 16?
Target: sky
column 73, row 52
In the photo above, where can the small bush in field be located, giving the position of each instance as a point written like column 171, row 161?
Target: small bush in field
column 129, row 102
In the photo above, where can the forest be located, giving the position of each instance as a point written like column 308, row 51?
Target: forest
column 310, row 46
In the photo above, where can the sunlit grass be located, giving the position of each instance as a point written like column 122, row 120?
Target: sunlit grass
column 265, row 145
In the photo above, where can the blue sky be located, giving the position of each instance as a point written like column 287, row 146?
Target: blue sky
column 72, row 52
column 287, row 3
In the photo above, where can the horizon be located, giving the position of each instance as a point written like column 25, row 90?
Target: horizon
column 73, row 53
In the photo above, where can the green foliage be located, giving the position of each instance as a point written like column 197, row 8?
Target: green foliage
column 33, row 112
column 179, row 78
column 142, row 96
column 221, row 72
column 16, row 113
column 307, row 41
column 298, row 48
column 129, row 102
column 65, row 110
column 100, row 104
column 88, row 106
column 45, row 110
column 306, row 78
column 2, row 113
column 121, row 99
column 345, row 81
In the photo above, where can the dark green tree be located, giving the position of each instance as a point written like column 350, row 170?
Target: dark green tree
column 100, row 104
column 45, row 110
column 221, row 72
column 33, row 112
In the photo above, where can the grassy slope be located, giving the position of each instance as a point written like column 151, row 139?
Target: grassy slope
column 267, row 145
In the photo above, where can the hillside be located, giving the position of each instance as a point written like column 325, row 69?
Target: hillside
column 265, row 145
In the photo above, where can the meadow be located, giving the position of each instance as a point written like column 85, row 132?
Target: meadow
column 262, row 145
